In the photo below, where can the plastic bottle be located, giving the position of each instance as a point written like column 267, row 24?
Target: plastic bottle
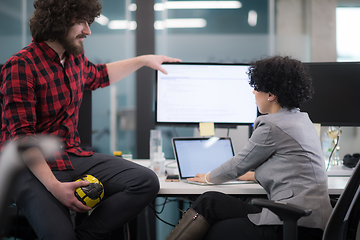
column 155, row 144
column 157, row 159
column 158, row 164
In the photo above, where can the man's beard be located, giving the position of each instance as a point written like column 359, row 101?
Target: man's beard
column 70, row 46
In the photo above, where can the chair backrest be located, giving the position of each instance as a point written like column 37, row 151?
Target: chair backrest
column 344, row 220
column 85, row 121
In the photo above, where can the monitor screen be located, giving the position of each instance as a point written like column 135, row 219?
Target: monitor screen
column 192, row 93
column 336, row 97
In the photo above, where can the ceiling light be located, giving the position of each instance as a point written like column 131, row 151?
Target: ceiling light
column 252, row 18
column 132, row 25
column 122, row 24
column 102, row 20
column 132, row 7
column 180, row 23
column 197, row 5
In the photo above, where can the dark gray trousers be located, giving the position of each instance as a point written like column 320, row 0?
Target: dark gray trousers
column 128, row 188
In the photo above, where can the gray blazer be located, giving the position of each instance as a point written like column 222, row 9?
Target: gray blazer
column 285, row 152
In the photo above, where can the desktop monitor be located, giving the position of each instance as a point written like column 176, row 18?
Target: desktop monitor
column 192, row 93
column 336, row 98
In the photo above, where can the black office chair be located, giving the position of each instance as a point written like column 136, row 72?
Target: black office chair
column 10, row 166
column 344, row 221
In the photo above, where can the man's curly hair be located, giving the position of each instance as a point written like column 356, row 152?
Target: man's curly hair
column 286, row 78
column 53, row 18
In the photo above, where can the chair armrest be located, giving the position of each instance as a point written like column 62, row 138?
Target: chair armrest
column 285, row 211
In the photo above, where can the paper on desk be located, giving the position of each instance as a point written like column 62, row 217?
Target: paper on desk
column 207, row 129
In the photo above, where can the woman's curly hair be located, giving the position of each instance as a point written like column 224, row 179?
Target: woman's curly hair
column 53, row 18
column 286, row 78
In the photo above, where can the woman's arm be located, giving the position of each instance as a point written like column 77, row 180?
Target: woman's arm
column 249, row 176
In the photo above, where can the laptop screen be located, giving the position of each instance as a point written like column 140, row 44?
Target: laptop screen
column 200, row 155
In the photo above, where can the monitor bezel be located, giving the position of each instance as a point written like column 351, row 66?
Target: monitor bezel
column 196, row 124
column 315, row 109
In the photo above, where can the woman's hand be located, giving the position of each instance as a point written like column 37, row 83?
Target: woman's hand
column 64, row 193
column 200, row 177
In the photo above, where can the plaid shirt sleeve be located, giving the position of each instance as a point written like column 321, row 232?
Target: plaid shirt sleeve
column 40, row 96
column 19, row 101
column 93, row 75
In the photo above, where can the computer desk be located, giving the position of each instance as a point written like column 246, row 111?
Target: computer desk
column 337, row 179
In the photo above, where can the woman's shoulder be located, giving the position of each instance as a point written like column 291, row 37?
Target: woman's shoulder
column 286, row 117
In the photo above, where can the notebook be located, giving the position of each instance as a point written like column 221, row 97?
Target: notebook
column 201, row 155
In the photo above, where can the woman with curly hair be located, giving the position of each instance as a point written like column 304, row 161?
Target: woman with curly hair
column 41, row 91
column 285, row 155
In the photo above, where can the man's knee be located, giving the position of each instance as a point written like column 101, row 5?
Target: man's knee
column 151, row 181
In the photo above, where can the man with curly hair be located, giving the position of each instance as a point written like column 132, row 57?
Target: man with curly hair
column 40, row 93
column 285, row 152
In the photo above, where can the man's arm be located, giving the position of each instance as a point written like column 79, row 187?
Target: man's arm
column 64, row 192
column 120, row 69
column 19, row 98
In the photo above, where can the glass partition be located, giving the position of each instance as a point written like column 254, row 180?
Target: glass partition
column 112, row 38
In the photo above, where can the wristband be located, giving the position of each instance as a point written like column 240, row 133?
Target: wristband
column 206, row 175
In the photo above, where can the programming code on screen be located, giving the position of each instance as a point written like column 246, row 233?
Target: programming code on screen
column 192, row 93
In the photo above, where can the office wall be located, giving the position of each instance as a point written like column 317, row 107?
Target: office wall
column 214, row 47
column 323, row 30
column 103, row 48
column 293, row 29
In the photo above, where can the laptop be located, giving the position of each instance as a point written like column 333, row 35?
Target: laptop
column 201, row 155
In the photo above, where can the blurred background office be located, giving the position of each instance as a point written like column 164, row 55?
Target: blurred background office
column 195, row 31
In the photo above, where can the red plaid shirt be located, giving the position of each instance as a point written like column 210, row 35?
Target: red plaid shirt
column 38, row 95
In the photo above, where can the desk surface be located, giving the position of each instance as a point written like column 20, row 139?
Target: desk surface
column 337, row 180
column 336, row 186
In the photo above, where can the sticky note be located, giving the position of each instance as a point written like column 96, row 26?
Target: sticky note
column 207, row 129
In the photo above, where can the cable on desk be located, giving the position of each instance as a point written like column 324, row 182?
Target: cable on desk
column 164, row 221
column 162, row 204
column 172, row 162
column 162, row 209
